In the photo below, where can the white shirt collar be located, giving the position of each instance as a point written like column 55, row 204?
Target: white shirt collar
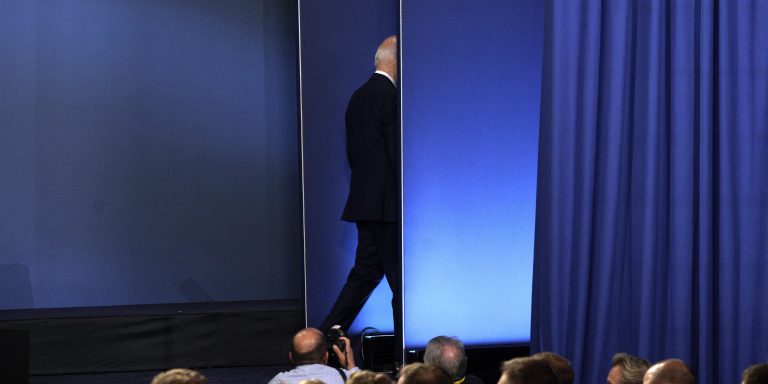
column 388, row 76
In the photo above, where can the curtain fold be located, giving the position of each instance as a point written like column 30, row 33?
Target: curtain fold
column 652, row 202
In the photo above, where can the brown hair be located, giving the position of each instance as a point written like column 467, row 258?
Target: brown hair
column 755, row 374
column 560, row 365
column 369, row 377
column 179, row 376
column 527, row 370
column 420, row 373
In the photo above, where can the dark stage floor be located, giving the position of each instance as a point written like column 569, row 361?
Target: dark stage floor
column 239, row 375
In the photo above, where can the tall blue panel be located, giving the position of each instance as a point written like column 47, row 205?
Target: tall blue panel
column 338, row 40
column 148, row 152
column 470, row 105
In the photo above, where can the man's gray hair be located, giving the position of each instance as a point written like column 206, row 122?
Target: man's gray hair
column 447, row 353
column 632, row 367
column 385, row 53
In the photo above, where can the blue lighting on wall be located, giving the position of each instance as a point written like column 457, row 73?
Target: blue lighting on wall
column 471, row 92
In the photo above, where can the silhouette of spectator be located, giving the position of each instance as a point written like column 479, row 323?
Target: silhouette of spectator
column 627, row 369
column 672, row 371
column 179, row 376
column 369, row 377
column 756, row 374
column 560, row 365
column 420, row 373
column 310, row 354
column 448, row 353
column 527, row 370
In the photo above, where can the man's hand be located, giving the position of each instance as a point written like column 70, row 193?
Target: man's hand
column 346, row 358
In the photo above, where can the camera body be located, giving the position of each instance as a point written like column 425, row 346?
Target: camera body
column 333, row 337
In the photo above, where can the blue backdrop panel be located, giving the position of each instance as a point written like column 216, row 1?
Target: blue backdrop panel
column 471, row 88
column 148, row 152
column 338, row 43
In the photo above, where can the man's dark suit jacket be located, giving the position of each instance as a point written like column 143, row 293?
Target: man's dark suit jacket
column 372, row 152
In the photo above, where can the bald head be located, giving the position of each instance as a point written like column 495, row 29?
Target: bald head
column 386, row 57
column 308, row 347
column 671, row 371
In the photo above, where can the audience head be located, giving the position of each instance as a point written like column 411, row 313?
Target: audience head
column 420, row 373
column 672, row 371
column 627, row 369
column 527, row 370
column 369, row 377
column 179, row 376
column 560, row 365
column 756, row 374
column 447, row 353
column 308, row 347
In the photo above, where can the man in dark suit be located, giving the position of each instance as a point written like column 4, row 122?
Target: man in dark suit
column 373, row 202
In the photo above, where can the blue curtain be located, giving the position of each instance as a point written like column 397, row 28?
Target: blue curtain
column 652, row 202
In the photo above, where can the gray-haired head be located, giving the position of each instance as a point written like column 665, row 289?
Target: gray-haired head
column 631, row 368
column 447, row 353
column 387, row 52
column 386, row 57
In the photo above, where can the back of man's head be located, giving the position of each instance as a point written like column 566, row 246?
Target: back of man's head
column 672, row 371
column 308, row 347
column 447, row 353
column 420, row 373
column 560, row 365
column 179, row 376
column 631, row 369
column 756, row 374
column 369, row 377
column 386, row 54
column 527, row 370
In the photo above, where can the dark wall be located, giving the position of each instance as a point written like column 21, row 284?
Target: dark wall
column 148, row 152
